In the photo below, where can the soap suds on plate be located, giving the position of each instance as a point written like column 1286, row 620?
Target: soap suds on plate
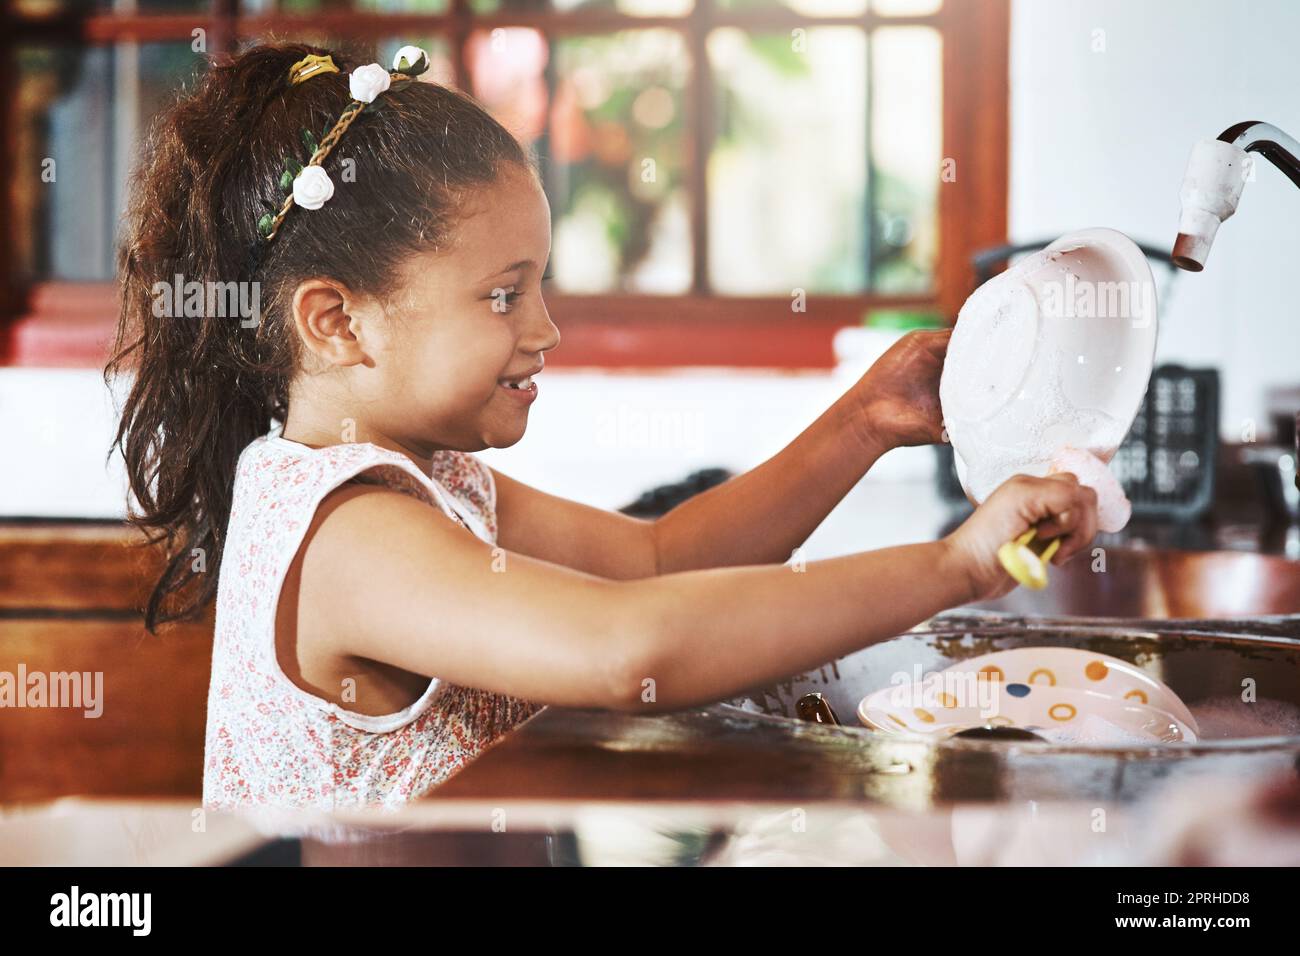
column 1030, row 430
column 1025, row 377
column 1091, row 729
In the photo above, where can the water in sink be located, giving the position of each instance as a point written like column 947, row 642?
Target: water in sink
column 1230, row 718
column 1207, row 671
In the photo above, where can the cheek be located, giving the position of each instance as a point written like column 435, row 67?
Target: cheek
column 461, row 366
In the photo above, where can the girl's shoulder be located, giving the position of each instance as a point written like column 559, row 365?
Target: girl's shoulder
column 469, row 480
column 275, row 472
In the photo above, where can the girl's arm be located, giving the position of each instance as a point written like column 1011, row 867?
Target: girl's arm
column 759, row 517
column 387, row 578
column 755, row 518
column 550, row 528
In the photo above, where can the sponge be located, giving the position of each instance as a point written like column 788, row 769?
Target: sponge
column 1113, row 506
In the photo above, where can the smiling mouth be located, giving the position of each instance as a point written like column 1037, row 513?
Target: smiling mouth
column 518, row 384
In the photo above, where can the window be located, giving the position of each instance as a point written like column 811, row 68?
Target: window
column 712, row 165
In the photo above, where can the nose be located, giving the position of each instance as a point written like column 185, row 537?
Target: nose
column 541, row 335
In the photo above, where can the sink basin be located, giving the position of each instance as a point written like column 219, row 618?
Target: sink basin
column 1160, row 584
column 1210, row 671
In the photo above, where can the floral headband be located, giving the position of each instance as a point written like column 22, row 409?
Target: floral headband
column 310, row 186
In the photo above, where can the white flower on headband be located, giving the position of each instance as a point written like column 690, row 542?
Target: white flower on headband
column 367, row 82
column 312, row 187
column 409, row 60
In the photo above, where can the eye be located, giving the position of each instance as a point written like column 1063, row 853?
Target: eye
column 503, row 299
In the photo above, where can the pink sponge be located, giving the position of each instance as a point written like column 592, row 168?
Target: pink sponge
column 1113, row 506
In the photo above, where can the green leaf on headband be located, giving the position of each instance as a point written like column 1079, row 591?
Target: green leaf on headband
column 309, row 141
column 265, row 225
column 412, row 69
column 291, row 170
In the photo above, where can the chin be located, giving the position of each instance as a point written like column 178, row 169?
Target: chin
column 506, row 442
column 504, row 437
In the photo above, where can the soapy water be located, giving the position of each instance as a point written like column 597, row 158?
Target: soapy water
column 1229, row 718
column 1092, row 729
column 1219, row 718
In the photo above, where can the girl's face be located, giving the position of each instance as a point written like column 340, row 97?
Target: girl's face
column 468, row 330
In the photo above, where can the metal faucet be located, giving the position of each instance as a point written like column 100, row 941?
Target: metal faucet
column 1216, row 173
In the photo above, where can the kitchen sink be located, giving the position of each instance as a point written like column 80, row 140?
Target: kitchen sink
column 1244, row 690
column 1162, row 583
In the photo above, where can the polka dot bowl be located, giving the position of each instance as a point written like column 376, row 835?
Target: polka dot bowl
column 946, row 704
column 1080, row 669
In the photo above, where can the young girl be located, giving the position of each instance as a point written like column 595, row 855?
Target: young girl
column 388, row 606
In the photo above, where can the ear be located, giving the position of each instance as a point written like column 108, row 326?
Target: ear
column 323, row 314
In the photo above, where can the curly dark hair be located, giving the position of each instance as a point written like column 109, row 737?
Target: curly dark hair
column 204, row 388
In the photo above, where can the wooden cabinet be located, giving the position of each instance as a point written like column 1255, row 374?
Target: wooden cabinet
column 70, row 599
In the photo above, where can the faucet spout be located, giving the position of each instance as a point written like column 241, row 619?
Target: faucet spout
column 1216, row 174
column 1270, row 142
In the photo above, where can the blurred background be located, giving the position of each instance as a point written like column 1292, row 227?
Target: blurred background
column 751, row 200
column 732, row 182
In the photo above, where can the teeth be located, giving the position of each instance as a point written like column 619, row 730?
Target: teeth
column 520, row 383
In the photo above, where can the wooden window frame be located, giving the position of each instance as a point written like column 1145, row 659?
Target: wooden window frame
column 64, row 323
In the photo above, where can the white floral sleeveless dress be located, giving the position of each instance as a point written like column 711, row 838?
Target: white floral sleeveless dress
column 271, row 744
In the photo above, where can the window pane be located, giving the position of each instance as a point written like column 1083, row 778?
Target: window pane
column 53, row 7
column 401, row 6
column 81, row 115
column 905, row 8
column 809, row 8
column 294, row 7
column 788, row 171
column 508, row 75
column 907, row 139
column 611, row 144
column 361, row 6
column 636, row 8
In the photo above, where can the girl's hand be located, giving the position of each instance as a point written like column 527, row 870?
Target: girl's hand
column 898, row 398
column 1059, row 506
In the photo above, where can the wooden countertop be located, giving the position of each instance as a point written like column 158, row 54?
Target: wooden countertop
column 709, row 754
